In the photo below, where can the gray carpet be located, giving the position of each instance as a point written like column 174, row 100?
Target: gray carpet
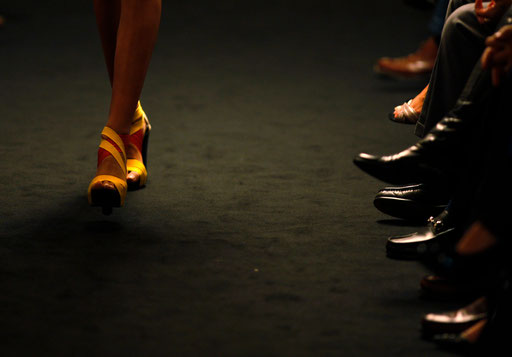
column 256, row 235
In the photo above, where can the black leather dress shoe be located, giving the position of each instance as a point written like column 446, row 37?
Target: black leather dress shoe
column 411, row 202
column 438, row 234
column 432, row 159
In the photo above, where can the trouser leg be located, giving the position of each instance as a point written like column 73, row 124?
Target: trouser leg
column 462, row 43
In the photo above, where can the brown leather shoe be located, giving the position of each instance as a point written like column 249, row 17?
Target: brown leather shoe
column 419, row 63
column 454, row 321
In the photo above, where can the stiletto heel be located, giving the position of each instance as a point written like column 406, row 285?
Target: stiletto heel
column 112, row 145
column 141, row 142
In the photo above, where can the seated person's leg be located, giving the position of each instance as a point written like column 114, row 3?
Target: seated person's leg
column 409, row 112
column 462, row 43
column 439, row 156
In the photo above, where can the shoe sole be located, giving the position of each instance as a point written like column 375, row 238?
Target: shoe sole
column 391, row 116
column 419, row 250
column 407, row 209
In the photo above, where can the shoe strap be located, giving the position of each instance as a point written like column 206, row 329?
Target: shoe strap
column 138, row 167
column 139, row 119
column 138, row 124
column 120, row 157
column 112, row 135
column 139, row 113
column 409, row 113
column 118, row 182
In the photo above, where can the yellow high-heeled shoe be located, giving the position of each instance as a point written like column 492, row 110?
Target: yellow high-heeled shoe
column 140, row 141
column 104, row 197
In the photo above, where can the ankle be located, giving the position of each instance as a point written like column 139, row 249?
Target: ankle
column 120, row 130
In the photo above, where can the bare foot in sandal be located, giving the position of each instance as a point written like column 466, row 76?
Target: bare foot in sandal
column 409, row 112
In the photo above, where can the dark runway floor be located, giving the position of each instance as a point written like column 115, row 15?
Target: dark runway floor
column 256, row 235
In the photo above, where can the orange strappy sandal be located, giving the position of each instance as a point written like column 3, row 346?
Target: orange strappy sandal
column 140, row 139
column 111, row 145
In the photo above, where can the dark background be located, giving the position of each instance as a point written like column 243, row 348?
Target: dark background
column 256, row 235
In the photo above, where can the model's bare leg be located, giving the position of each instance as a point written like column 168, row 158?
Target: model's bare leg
column 136, row 37
column 136, row 33
column 108, row 13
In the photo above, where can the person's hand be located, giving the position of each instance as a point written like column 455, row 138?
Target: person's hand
column 498, row 54
column 493, row 12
